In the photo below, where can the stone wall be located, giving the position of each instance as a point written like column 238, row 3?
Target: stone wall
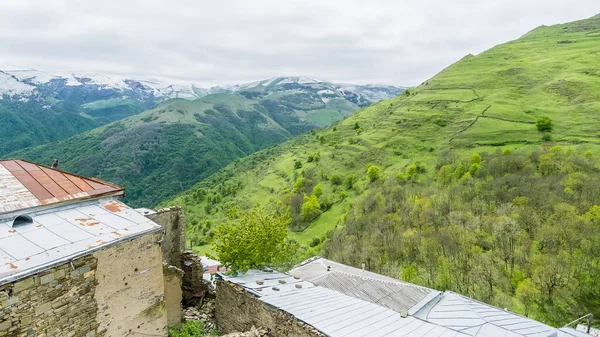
column 173, row 245
column 238, row 310
column 116, row 291
column 56, row 302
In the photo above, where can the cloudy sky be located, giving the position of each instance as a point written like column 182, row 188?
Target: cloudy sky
column 232, row 41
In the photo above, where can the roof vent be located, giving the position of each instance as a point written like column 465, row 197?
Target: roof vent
column 22, row 220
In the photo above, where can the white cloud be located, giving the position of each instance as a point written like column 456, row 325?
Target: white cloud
column 229, row 41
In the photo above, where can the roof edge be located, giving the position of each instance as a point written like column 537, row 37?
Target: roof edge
column 24, row 211
column 26, row 273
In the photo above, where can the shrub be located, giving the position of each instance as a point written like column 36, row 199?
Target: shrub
column 350, row 181
column 544, row 124
column 191, row 328
column 315, row 242
column 317, row 190
column 325, row 203
column 297, row 164
column 373, row 172
column 336, row 179
column 547, row 137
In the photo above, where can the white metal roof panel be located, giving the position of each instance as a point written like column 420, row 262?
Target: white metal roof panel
column 479, row 319
column 62, row 233
column 331, row 312
column 391, row 293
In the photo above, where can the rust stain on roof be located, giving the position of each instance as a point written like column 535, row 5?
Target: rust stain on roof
column 115, row 206
column 12, row 231
column 12, row 266
column 87, row 222
column 117, row 234
column 27, row 184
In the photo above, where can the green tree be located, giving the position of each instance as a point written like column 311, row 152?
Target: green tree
column 253, row 240
column 411, row 172
column 475, row 158
column 350, row 181
column 544, row 124
column 310, row 208
column 297, row 164
column 373, row 172
column 528, row 294
column 336, row 179
column 317, row 190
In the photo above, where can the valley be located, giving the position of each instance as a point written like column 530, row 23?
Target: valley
column 165, row 150
column 446, row 162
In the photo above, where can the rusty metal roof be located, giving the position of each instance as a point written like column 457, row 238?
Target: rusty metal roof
column 26, row 185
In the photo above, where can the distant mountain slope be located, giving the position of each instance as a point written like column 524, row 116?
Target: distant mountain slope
column 163, row 151
column 481, row 103
column 70, row 103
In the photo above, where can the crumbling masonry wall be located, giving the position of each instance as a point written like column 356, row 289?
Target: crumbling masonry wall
column 116, row 291
column 56, row 302
column 237, row 310
column 173, row 245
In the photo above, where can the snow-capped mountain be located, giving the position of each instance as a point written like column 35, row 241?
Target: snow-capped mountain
column 29, row 83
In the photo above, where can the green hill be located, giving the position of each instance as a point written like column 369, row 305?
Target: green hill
column 421, row 143
column 163, row 151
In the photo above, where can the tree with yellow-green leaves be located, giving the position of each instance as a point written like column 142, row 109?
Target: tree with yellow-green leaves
column 253, row 240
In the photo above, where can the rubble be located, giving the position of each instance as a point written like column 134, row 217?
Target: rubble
column 205, row 313
column 254, row 332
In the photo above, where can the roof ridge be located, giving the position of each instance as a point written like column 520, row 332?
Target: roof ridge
column 364, row 277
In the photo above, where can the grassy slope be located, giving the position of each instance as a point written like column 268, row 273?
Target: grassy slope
column 480, row 103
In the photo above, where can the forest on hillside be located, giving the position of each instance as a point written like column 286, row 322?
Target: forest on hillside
column 517, row 230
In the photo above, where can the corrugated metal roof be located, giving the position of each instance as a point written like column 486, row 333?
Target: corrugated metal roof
column 364, row 285
column 479, row 319
column 331, row 312
column 62, row 233
column 25, row 185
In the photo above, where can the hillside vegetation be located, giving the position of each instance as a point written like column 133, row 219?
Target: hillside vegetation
column 163, row 151
column 483, row 179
